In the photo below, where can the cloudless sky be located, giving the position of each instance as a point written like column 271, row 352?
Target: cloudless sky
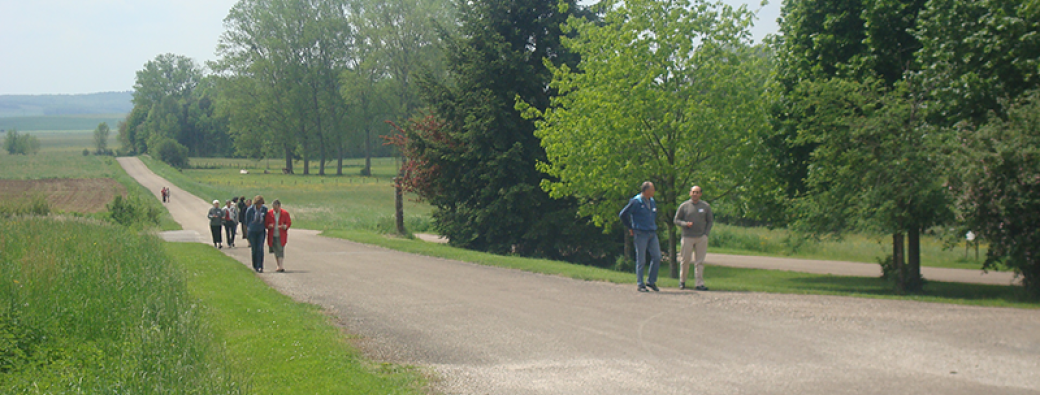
column 88, row 46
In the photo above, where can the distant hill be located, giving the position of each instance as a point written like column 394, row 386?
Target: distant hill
column 60, row 122
column 48, row 105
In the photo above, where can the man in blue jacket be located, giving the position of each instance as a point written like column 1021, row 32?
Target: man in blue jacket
column 640, row 217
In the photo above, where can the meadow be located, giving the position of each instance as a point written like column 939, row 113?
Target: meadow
column 93, row 307
column 327, row 202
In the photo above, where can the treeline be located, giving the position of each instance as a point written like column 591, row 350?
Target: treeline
column 306, row 80
column 532, row 121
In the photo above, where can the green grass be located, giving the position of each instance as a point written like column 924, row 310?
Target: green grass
column 720, row 278
column 350, row 201
column 90, row 308
column 853, row 248
column 279, row 346
column 70, row 165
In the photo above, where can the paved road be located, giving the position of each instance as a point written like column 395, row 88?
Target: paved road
column 484, row 330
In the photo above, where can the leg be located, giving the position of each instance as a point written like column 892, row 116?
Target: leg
column 655, row 258
column 640, row 241
column 685, row 257
column 698, row 265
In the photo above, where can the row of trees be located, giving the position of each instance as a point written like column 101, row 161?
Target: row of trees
column 533, row 120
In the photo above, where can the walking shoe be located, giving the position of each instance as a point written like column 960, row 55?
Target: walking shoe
column 642, row 288
column 682, row 285
column 701, row 288
column 654, row 287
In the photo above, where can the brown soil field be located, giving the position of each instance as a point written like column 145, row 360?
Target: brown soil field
column 81, row 195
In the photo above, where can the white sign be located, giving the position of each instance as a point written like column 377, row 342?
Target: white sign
column 970, row 236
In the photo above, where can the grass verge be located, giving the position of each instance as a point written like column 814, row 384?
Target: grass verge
column 720, row 278
column 277, row 345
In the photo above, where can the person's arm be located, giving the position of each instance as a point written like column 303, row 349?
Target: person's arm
column 288, row 220
column 626, row 215
column 680, row 217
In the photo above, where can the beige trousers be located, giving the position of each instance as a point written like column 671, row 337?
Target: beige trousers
column 689, row 246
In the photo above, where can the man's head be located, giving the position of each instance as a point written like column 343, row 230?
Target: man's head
column 695, row 194
column 647, row 189
column 216, row 203
column 277, row 204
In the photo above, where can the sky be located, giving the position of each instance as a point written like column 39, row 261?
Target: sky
column 89, row 46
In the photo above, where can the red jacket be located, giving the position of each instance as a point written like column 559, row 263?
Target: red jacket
column 283, row 219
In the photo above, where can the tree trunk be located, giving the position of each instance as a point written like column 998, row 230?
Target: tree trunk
column 898, row 262
column 339, row 158
column 399, row 202
column 367, row 171
column 913, row 258
column 288, row 159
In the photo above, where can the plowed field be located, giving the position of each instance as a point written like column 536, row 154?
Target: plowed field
column 81, row 195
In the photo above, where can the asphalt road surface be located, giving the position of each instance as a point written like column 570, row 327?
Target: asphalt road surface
column 484, row 330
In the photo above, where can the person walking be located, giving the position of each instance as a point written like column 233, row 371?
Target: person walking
column 278, row 223
column 215, row 217
column 255, row 216
column 230, row 217
column 695, row 219
column 243, row 205
column 640, row 218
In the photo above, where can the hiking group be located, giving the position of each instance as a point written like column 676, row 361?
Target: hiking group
column 258, row 223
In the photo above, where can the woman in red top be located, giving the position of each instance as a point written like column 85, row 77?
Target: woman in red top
column 277, row 224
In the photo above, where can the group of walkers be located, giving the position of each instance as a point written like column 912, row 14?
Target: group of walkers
column 258, row 223
column 693, row 216
column 165, row 192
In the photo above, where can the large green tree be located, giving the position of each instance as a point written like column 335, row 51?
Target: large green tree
column 101, row 133
column 980, row 55
column 998, row 187
column 486, row 189
column 670, row 92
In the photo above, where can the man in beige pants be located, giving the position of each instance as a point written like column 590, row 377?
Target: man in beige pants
column 695, row 218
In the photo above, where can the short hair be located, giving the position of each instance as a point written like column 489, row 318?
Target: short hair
column 276, row 202
column 696, row 186
column 646, row 185
column 258, row 200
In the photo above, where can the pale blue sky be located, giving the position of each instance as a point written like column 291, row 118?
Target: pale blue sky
column 87, row 46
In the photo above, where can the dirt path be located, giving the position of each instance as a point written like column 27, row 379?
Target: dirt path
column 485, row 330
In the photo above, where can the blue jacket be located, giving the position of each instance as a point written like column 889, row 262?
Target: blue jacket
column 640, row 214
column 255, row 220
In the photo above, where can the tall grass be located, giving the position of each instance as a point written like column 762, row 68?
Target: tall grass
column 87, row 308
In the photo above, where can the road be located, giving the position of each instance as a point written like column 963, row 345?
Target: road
column 484, row 330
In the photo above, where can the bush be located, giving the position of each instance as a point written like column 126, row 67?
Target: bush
column 132, row 212
column 23, row 144
column 35, row 204
column 86, row 152
column 171, row 152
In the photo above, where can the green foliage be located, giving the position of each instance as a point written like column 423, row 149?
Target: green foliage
column 980, row 55
column 997, row 179
column 132, row 212
column 487, row 188
column 101, row 139
column 21, row 143
column 34, row 204
column 170, row 151
column 93, row 308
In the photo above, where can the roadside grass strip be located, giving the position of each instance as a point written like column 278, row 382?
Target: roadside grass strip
column 88, row 307
column 279, row 346
column 719, row 278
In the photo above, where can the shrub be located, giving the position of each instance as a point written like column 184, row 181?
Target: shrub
column 171, row 152
column 34, row 204
column 132, row 212
column 86, row 152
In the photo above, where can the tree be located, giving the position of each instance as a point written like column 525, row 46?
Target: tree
column 101, row 138
column 21, row 144
column 874, row 167
column 980, row 55
column 669, row 92
column 487, row 195
column 997, row 183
